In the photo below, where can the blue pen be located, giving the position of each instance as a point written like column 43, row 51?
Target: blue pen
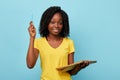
column 32, row 18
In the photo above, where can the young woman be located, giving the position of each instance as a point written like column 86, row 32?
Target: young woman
column 54, row 46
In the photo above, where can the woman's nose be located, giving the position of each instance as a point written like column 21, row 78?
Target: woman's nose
column 56, row 24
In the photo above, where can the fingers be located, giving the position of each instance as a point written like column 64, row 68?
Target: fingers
column 31, row 23
column 31, row 29
column 84, row 64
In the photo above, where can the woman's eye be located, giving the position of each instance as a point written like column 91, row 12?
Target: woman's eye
column 53, row 22
column 60, row 23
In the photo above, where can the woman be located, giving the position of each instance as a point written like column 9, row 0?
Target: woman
column 54, row 46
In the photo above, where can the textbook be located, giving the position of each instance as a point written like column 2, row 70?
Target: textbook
column 72, row 66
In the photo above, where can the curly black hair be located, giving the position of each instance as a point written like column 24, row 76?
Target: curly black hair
column 46, row 18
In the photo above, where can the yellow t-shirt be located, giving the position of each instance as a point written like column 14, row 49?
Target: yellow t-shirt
column 51, row 58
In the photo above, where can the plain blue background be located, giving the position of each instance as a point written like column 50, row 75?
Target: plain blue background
column 94, row 27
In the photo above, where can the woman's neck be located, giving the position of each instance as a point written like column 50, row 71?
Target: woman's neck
column 53, row 38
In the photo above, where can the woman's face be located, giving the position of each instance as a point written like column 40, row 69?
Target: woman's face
column 55, row 25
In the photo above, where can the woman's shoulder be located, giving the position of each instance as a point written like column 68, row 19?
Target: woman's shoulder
column 39, row 39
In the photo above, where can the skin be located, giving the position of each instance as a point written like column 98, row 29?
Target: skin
column 54, row 39
column 32, row 53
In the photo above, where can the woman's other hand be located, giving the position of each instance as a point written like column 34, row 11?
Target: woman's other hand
column 84, row 64
column 78, row 67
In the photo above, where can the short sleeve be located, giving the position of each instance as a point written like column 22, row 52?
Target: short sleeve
column 36, row 43
column 71, row 46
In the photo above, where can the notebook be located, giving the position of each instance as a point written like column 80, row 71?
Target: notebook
column 72, row 66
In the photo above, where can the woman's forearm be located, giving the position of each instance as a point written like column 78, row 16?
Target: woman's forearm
column 31, row 58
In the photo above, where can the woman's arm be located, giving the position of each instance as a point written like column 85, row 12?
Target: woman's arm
column 71, row 61
column 78, row 67
column 32, row 53
column 71, row 58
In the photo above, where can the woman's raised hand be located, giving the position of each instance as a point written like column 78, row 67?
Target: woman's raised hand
column 32, row 30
